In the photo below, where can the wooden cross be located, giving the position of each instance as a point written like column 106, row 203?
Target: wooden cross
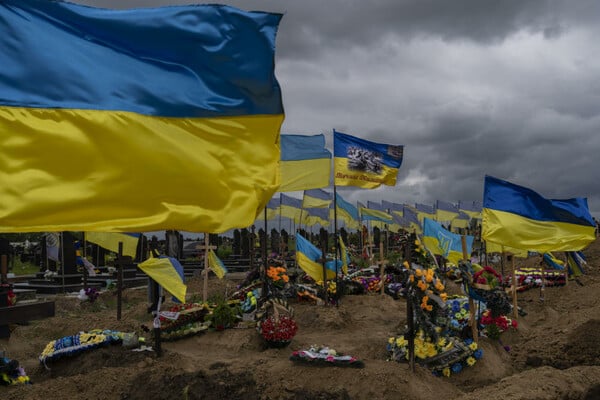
column 382, row 263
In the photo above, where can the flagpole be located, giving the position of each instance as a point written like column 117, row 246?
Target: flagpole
column 205, row 288
column 265, row 291
column 337, row 245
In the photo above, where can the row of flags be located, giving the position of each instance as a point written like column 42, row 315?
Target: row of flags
column 317, row 207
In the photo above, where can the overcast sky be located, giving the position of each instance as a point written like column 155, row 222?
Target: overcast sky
column 505, row 88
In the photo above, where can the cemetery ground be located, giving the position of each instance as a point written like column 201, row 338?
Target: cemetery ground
column 554, row 353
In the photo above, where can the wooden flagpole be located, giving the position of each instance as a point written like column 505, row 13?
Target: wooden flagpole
column 205, row 286
column 514, row 287
column 472, row 308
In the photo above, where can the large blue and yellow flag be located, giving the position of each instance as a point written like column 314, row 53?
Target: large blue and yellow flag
column 305, row 163
column 115, row 120
column 518, row 217
column 316, row 198
column 365, row 164
column 308, row 258
column 216, row 265
column 167, row 272
column 442, row 242
column 110, row 241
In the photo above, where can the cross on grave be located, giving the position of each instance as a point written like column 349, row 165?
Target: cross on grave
column 382, row 263
column 206, row 247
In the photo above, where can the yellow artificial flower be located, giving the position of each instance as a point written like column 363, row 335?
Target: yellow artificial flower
column 391, row 340
column 446, row 372
column 473, row 346
column 401, row 342
column 406, row 265
column 470, row 361
column 442, row 342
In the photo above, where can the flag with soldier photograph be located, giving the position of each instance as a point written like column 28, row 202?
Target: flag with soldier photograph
column 365, row 164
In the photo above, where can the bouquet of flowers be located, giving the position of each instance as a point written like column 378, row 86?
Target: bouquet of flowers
column 494, row 326
column 278, row 275
column 278, row 328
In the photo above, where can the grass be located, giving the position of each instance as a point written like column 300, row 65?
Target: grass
column 21, row 268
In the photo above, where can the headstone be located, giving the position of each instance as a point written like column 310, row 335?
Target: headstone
column 69, row 260
column 236, row 248
column 275, row 241
column 245, row 243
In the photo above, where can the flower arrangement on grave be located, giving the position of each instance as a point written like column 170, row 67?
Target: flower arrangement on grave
column 183, row 319
column 444, row 356
column 278, row 329
column 425, row 290
column 495, row 326
column 80, row 342
column 325, row 356
column 251, row 301
column 11, row 373
column 278, row 276
column 459, row 313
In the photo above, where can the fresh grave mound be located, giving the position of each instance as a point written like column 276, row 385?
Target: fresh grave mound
column 169, row 384
column 88, row 362
column 583, row 345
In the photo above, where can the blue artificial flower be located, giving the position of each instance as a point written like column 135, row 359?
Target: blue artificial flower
column 478, row 354
column 456, row 368
column 468, row 341
column 455, row 306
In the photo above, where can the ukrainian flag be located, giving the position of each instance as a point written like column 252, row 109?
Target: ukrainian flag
column 362, row 163
column 424, row 211
column 315, row 215
column 491, row 247
column 370, row 214
column 110, row 241
column 291, row 207
column 344, row 255
column 167, row 272
column 443, row 242
column 273, row 207
column 305, row 163
column 316, row 198
column 308, row 258
column 445, row 211
column 461, row 221
column 393, row 208
column 411, row 216
column 471, row 208
column 346, row 212
column 216, row 265
column 115, row 120
column 519, row 217
column 576, row 262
